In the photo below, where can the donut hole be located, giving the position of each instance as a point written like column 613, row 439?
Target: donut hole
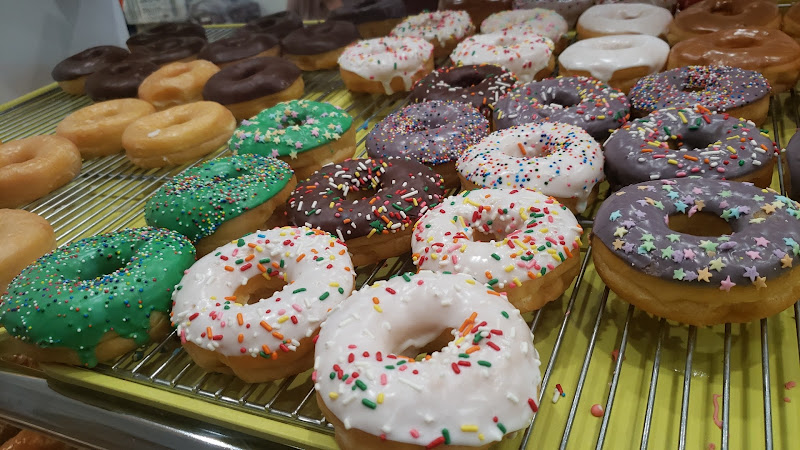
column 561, row 97
column 257, row 289
column 630, row 15
column 359, row 194
column 467, row 81
column 247, row 73
column 420, row 350
column 699, row 224
column 479, row 235
column 690, row 140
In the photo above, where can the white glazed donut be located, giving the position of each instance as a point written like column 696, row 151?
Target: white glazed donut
column 528, row 56
column 540, row 21
column 383, row 59
column 270, row 338
column 440, row 28
column 482, row 385
column 556, row 159
column 531, row 237
column 624, row 18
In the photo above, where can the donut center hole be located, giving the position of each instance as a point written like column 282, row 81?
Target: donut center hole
column 725, row 8
column 358, row 194
column 257, row 289
column 699, row 224
column 467, row 81
column 418, row 351
column 613, row 45
column 563, row 98
column 738, row 41
column 692, row 87
column 249, row 72
column 690, row 141
column 480, row 235
column 630, row 15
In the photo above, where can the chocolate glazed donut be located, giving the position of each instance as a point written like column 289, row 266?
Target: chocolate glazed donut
column 374, row 18
column 232, row 49
column 88, row 62
column 159, row 32
column 320, row 38
column 169, row 49
column 250, row 79
column 120, row 80
column 278, row 24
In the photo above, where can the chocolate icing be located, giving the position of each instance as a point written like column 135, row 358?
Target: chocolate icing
column 119, row 80
column 763, row 243
column 748, row 48
column 370, row 11
column 405, row 189
column 478, row 10
column 237, row 47
column 708, row 16
column 434, row 132
column 320, row 38
column 585, row 102
column 88, row 62
column 478, row 85
column 168, row 49
column 250, row 79
column 159, row 32
column 705, row 144
column 278, row 24
column 793, row 161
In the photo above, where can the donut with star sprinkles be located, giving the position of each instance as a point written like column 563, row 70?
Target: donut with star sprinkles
column 699, row 251
column 304, row 133
column 675, row 143
column 371, row 204
column 532, row 252
column 222, row 199
column 225, row 321
column 487, row 368
column 96, row 298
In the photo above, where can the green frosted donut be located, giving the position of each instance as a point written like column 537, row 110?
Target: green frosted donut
column 110, row 282
column 290, row 128
column 198, row 200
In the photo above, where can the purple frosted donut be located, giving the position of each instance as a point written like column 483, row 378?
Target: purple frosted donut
column 581, row 101
column 568, row 9
column 793, row 161
column 727, row 241
column 675, row 143
column 719, row 89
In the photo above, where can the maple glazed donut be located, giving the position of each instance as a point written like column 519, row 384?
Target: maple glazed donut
column 370, row 204
column 375, row 395
column 544, row 22
column 71, row 73
column 443, row 29
column 24, row 237
column 556, row 159
column 96, row 298
column 528, row 56
column 177, row 83
column 385, row 65
column 223, row 199
column 533, row 251
column 699, row 251
column 225, row 321
column 709, row 16
column 624, row 18
column 582, row 101
column 318, row 47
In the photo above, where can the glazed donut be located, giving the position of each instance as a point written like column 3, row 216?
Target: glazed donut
column 96, row 298
column 675, row 143
column 307, row 272
column 375, row 226
column 533, row 240
column 248, row 87
column 177, row 84
column 699, row 251
column 585, row 102
column 24, row 237
column 791, row 22
column 528, row 56
column 225, row 52
column 402, row 403
column 792, row 158
column 164, row 30
column 96, row 130
column 305, row 134
column 374, row 18
column 32, row 440
column 71, row 73
column 738, row 92
column 617, row 60
column 443, row 29
column 318, row 47
column 771, row 52
column 624, row 18
column 178, row 135
column 433, row 133
column 544, row 22
column 118, row 80
column 279, row 24
column 570, row 10
column 246, row 193
column 385, row 65
column 709, row 16
column 478, row 10
column 479, row 85
column 557, row 159
column 33, row 167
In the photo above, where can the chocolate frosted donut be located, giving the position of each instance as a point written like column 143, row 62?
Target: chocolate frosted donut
column 278, row 24
column 120, row 80
column 374, row 18
column 320, row 38
column 250, row 79
column 163, row 30
column 585, row 102
column 169, row 49
column 478, row 85
column 232, row 49
column 88, row 62
column 675, row 143
column 793, row 162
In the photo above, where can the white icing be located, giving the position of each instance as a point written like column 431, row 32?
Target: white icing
column 626, row 18
column 383, row 59
column 523, row 54
column 602, row 56
column 415, row 407
column 438, row 25
column 545, row 22
column 560, row 160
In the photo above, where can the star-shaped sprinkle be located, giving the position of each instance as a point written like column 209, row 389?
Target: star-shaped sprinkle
column 786, row 261
column 620, row 231
column 758, row 198
column 680, row 206
column 726, row 284
column 298, row 145
column 690, row 276
column 628, row 223
column 647, row 247
column 753, row 254
column 647, row 237
column 293, row 154
column 725, row 194
column 667, row 252
column 760, row 282
column 704, row 274
column 708, row 246
column 615, row 215
column 751, row 272
column 688, row 254
column 674, row 237
column 717, row 264
column 758, row 220
column 618, row 244
column 678, row 274
column 275, row 153
column 761, row 241
column 628, row 247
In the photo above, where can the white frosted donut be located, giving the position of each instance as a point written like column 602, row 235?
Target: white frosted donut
column 556, row 159
column 524, row 54
column 482, row 385
column 545, row 22
column 531, row 236
column 385, row 58
column 212, row 312
column 602, row 56
column 624, row 18
column 436, row 26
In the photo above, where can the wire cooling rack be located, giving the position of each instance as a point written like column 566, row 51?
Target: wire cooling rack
column 660, row 384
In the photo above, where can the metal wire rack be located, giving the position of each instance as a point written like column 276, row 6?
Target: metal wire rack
column 663, row 407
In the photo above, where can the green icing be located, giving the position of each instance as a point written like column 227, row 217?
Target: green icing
column 197, row 201
column 111, row 282
column 289, row 128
